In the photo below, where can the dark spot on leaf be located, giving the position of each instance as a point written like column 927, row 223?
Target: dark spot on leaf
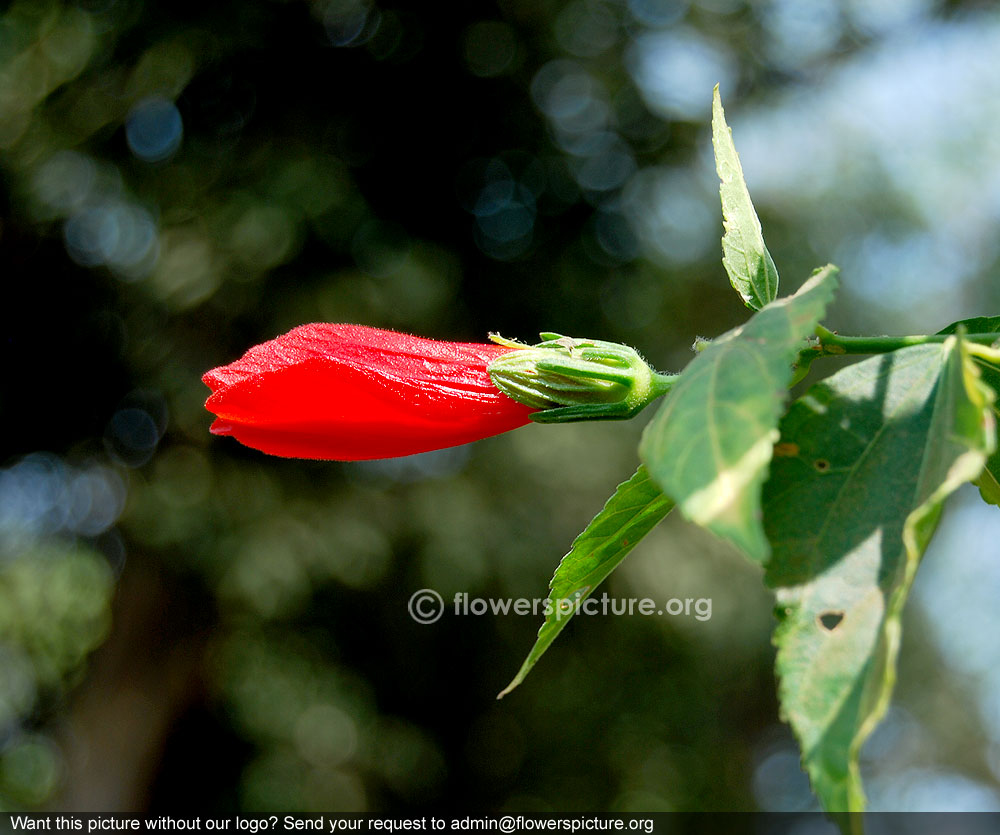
column 786, row 449
column 830, row 620
column 821, row 464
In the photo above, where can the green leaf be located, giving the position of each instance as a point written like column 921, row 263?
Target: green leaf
column 746, row 259
column 865, row 461
column 989, row 482
column 710, row 443
column 980, row 324
column 632, row 512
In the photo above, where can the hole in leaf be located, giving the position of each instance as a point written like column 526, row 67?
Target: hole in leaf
column 830, row 620
column 821, row 464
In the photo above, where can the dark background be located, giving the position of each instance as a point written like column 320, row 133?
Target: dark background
column 190, row 626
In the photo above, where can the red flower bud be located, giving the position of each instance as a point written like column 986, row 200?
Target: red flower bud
column 351, row 393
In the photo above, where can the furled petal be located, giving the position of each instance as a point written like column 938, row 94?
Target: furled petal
column 349, row 392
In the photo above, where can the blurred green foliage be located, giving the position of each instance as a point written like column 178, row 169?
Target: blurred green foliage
column 181, row 181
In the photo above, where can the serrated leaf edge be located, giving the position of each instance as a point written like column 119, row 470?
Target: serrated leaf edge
column 542, row 643
column 730, row 173
column 757, row 458
column 917, row 532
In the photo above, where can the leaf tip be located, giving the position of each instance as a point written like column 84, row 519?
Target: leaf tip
column 510, row 688
column 718, row 114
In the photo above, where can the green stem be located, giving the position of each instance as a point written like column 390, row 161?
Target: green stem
column 661, row 384
column 833, row 344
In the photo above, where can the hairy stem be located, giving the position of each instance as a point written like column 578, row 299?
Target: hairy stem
column 662, row 383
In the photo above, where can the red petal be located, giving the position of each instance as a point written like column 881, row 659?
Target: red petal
column 348, row 392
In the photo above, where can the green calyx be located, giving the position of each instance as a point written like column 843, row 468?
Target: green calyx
column 569, row 379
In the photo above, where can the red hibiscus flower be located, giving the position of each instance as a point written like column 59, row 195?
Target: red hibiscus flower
column 351, row 393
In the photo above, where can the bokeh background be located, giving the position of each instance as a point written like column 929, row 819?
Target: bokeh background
column 190, row 626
